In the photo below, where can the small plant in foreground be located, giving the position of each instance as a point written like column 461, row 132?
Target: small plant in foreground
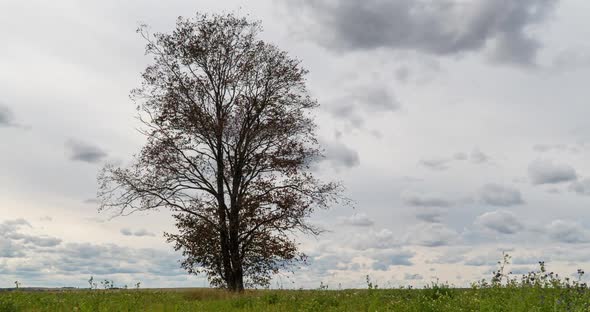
column 323, row 286
column 370, row 284
column 107, row 284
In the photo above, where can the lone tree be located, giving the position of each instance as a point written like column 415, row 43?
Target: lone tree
column 230, row 139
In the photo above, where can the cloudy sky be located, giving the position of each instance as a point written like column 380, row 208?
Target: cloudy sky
column 459, row 127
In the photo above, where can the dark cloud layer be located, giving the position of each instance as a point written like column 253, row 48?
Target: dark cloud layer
column 442, row 27
column 85, row 152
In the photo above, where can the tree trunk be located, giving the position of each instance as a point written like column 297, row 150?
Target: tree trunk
column 221, row 210
column 235, row 256
column 234, row 230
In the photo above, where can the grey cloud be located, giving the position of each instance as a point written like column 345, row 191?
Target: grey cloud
column 500, row 221
column 377, row 99
column 460, row 156
column 581, row 187
column 440, row 28
column 86, row 258
column 381, row 239
column 442, row 163
column 368, row 99
column 430, row 214
column 481, row 261
column 10, row 249
column 413, row 277
column 548, row 172
column 409, row 179
column 553, row 190
column 7, row 118
column 386, row 258
column 10, row 231
column 382, row 259
column 529, row 260
column 85, row 152
column 321, row 264
column 39, row 241
column 344, row 110
column 571, row 58
column 567, row 232
column 360, row 219
column 43, row 241
column 340, row 156
column 499, row 195
column 402, row 74
column 9, row 226
column 542, row 148
column 140, row 232
column 431, row 235
column 450, row 256
column 437, row 164
column 416, row 199
column 324, row 263
column 143, row 232
column 478, row 157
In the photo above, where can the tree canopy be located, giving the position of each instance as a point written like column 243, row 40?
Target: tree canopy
column 230, row 140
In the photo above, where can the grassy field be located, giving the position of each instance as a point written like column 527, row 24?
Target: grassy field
column 535, row 291
column 432, row 299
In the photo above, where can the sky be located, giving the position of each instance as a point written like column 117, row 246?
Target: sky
column 459, row 128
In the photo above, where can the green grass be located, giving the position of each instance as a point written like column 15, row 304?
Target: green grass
column 432, row 299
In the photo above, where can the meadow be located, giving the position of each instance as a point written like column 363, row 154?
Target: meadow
column 536, row 291
column 431, row 299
